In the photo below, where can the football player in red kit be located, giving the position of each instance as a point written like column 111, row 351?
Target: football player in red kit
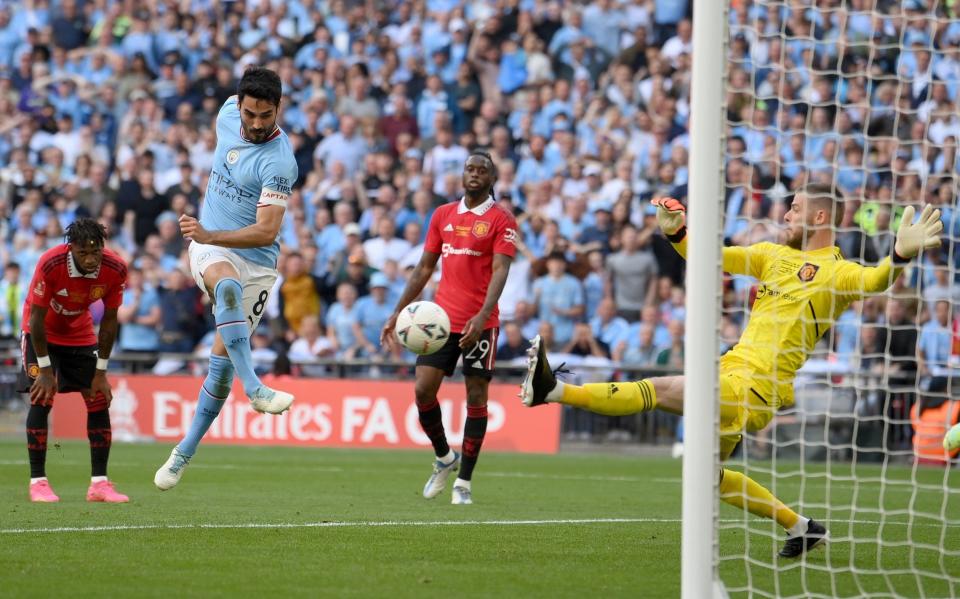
column 477, row 240
column 62, row 354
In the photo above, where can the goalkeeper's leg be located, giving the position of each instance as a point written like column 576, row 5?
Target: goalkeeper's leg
column 739, row 490
column 610, row 399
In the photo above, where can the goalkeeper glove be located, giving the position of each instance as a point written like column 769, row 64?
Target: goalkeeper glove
column 672, row 218
column 914, row 237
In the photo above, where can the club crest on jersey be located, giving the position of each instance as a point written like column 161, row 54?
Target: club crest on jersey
column 481, row 228
column 807, row 272
column 33, row 370
column 233, row 156
column 98, row 291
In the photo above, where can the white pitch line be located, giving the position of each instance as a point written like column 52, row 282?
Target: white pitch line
column 332, row 524
column 411, row 523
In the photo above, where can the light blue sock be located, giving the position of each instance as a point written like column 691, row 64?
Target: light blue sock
column 213, row 393
column 233, row 329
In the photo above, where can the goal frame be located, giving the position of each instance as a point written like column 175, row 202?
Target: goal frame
column 699, row 550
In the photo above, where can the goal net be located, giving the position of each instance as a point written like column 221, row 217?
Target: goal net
column 862, row 96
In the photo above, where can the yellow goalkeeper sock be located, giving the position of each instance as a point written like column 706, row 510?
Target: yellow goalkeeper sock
column 745, row 493
column 612, row 399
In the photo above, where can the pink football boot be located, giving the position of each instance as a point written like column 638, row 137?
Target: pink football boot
column 103, row 491
column 40, row 492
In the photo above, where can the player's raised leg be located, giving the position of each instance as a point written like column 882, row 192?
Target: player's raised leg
column 447, row 461
column 100, row 436
column 234, row 331
column 213, row 394
column 540, row 386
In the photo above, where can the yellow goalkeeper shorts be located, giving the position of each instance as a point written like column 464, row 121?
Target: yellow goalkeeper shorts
column 747, row 403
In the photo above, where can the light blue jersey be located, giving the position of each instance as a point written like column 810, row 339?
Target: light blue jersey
column 241, row 172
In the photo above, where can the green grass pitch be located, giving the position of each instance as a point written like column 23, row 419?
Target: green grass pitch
column 349, row 523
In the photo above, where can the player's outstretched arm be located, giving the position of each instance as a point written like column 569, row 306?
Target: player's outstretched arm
column 418, row 280
column 45, row 385
column 672, row 218
column 912, row 239
column 260, row 234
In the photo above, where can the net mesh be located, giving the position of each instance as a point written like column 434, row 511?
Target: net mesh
column 861, row 96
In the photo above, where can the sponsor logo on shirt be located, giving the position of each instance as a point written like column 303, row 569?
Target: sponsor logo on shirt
column 481, row 228
column 63, row 311
column 448, row 228
column 40, row 288
column 448, row 250
column 62, row 293
column 281, row 184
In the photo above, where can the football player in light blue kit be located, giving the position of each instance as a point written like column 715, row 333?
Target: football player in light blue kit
column 233, row 256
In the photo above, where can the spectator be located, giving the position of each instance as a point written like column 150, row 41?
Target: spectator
column 311, row 344
column 346, row 145
column 181, row 315
column 300, row 291
column 632, row 275
column 139, row 316
column 13, row 292
column 514, row 345
column 386, row 245
column 342, row 322
column 372, row 311
column 583, row 343
column 559, row 298
column 607, row 327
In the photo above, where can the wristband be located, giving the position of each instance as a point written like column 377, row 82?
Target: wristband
column 43, row 361
column 898, row 259
column 678, row 236
column 102, row 363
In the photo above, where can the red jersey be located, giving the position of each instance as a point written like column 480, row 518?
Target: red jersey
column 467, row 240
column 67, row 293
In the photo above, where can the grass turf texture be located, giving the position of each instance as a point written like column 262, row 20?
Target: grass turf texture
column 314, row 509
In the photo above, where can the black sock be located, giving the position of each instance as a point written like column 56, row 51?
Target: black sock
column 98, row 432
column 431, row 419
column 37, row 439
column 473, row 432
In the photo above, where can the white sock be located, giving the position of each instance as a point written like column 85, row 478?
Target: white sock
column 556, row 394
column 463, row 484
column 38, row 479
column 799, row 529
column 448, row 459
column 97, row 479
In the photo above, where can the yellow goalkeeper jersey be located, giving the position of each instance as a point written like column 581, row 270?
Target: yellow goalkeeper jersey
column 799, row 296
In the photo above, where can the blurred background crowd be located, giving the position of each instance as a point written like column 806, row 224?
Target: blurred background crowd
column 107, row 109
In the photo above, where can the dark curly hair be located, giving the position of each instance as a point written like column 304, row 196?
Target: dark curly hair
column 260, row 83
column 86, row 231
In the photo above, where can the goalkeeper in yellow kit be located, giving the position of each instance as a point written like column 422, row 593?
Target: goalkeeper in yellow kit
column 803, row 286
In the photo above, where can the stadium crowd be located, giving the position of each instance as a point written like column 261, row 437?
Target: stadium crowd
column 107, row 109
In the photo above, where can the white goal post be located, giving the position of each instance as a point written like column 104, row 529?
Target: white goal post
column 699, row 573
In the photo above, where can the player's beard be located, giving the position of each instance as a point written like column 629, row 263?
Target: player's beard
column 260, row 136
column 796, row 238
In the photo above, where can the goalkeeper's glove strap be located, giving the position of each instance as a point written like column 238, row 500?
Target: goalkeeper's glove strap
column 898, row 259
column 678, row 236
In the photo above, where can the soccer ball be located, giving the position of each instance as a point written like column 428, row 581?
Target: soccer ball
column 951, row 441
column 423, row 327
